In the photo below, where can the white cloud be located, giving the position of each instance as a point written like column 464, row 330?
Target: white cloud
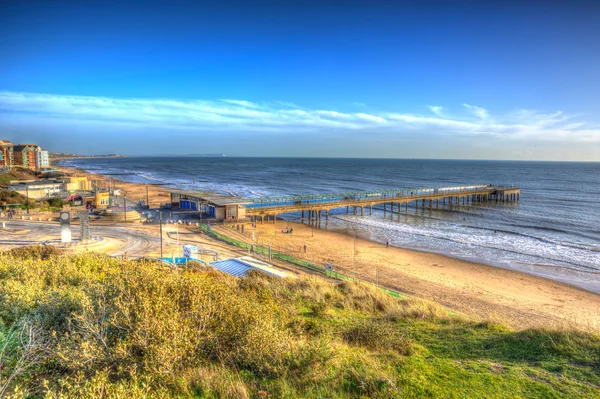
column 278, row 116
column 436, row 109
column 477, row 111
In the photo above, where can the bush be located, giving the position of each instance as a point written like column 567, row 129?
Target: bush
column 378, row 335
column 35, row 252
column 56, row 202
column 110, row 328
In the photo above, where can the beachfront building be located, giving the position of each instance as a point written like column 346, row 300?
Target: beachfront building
column 39, row 189
column 101, row 199
column 42, row 159
column 219, row 207
column 25, row 155
column 7, row 154
column 77, row 183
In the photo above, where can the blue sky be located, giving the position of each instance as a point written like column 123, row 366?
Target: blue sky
column 427, row 79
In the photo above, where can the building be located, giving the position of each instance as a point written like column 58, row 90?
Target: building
column 39, row 189
column 77, row 183
column 42, row 159
column 220, row 207
column 7, row 153
column 102, row 199
column 25, row 155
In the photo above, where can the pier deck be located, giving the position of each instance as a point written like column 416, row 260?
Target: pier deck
column 316, row 205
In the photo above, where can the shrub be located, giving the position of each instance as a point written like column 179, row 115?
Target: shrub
column 378, row 335
column 36, row 252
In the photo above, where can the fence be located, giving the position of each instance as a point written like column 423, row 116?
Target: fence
column 302, row 263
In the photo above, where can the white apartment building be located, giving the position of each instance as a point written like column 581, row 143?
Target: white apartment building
column 42, row 159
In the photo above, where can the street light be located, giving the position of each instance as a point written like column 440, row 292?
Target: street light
column 161, row 235
column 354, row 251
column 27, row 203
column 125, row 206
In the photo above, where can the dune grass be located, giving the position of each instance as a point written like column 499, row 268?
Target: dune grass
column 89, row 326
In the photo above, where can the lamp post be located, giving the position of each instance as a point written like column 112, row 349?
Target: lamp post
column 161, row 235
column 27, row 203
column 354, row 250
column 125, row 206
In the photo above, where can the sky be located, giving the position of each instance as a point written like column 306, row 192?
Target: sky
column 396, row 79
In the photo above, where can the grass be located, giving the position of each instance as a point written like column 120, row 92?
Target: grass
column 89, row 326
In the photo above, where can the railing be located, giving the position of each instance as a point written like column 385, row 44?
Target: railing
column 302, row 263
column 350, row 197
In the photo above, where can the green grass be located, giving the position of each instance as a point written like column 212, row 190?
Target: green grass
column 130, row 329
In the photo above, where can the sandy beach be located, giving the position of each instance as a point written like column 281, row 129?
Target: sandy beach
column 485, row 292
column 479, row 291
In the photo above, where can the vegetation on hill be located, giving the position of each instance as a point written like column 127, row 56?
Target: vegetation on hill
column 12, row 197
column 89, row 326
column 16, row 174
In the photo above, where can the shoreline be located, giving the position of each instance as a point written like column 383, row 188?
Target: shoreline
column 516, row 297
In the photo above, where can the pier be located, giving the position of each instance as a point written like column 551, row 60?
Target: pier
column 315, row 207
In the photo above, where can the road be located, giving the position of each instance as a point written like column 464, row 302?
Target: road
column 113, row 240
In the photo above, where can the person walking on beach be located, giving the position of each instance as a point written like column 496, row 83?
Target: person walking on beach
column 387, row 244
column 304, row 248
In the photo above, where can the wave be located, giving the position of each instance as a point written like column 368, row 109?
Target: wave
column 451, row 234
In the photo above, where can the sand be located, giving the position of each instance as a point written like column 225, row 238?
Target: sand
column 481, row 291
column 476, row 290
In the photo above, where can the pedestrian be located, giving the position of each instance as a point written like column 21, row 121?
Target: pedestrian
column 387, row 244
column 304, row 248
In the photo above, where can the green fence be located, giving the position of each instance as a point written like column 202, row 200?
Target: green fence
column 291, row 259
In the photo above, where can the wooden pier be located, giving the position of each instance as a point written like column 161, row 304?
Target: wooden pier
column 318, row 206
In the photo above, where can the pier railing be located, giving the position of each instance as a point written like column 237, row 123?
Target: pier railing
column 348, row 197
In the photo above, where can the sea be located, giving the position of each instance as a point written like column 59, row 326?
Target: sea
column 553, row 231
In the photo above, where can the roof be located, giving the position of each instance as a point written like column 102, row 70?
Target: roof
column 219, row 200
column 232, row 266
column 35, row 182
column 238, row 267
column 23, row 146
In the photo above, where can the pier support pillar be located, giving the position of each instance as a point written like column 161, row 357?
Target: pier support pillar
column 302, row 215
column 327, row 214
column 354, row 210
column 371, row 210
column 347, row 210
column 362, row 211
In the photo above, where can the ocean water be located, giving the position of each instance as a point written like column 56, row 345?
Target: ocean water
column 553, row 231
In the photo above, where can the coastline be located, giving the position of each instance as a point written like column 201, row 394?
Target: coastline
column 486, row 292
